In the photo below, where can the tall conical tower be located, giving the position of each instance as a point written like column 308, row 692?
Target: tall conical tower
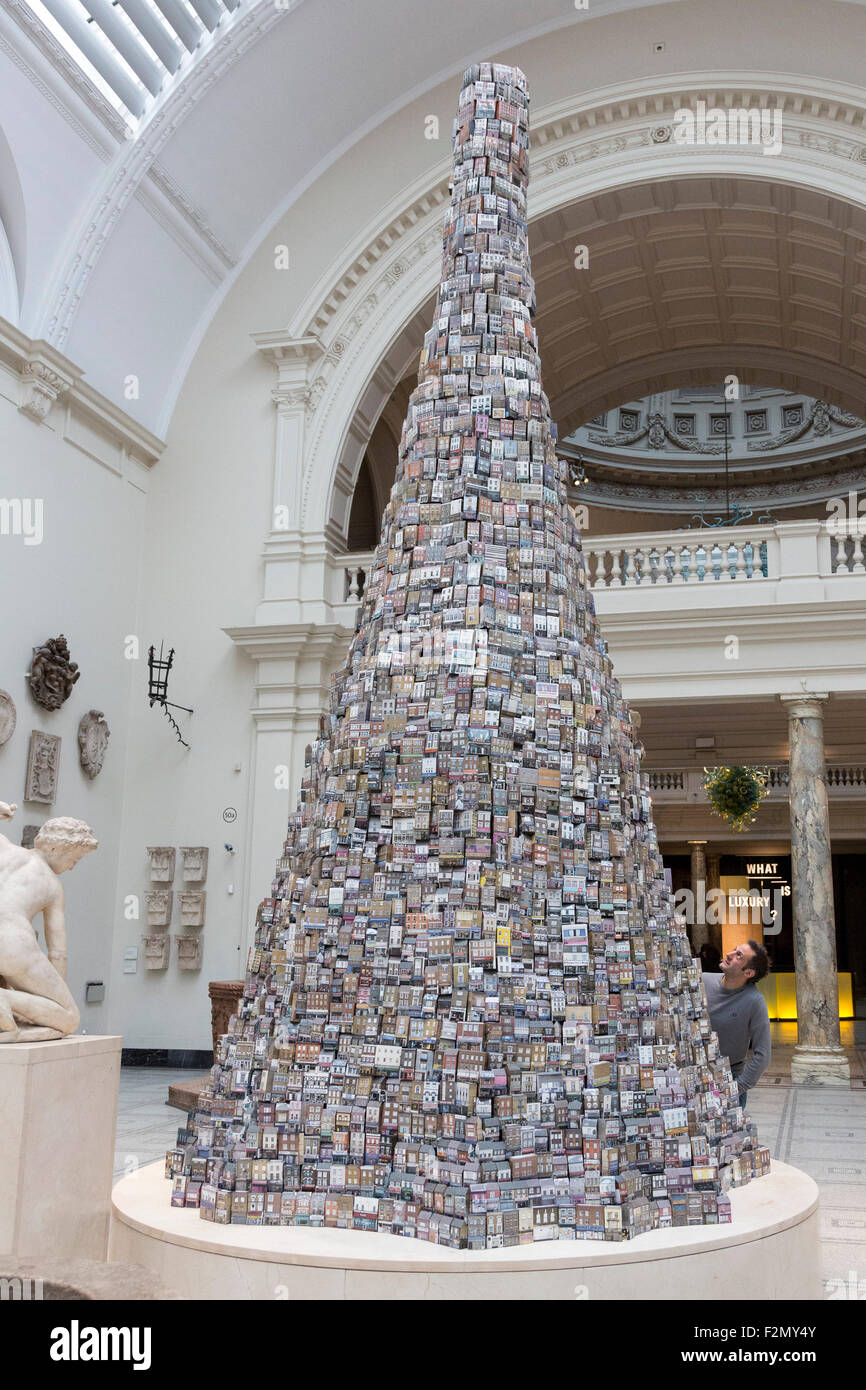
column 470, row 1015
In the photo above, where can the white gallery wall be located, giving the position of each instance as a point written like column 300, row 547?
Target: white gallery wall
column 81, row 579
column 175, row 553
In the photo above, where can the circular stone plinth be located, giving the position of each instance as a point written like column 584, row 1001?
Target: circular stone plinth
column 769, row 1251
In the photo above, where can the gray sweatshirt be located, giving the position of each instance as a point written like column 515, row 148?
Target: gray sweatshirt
column 740, row 1021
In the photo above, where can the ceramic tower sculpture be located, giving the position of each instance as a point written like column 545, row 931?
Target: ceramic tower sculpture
column 470, row 1014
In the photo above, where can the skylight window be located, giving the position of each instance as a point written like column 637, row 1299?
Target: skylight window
column 132, row 49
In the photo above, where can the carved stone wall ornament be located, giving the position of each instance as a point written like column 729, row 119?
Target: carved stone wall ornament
column 41, row 386
column 8, row 717
column 194, row 863
column 52, row 675
column 156, row 951
column 188, row 952
column 161, row 863
column 93, row 736
column 159, row 904
column 192, row 907
column 43, row 765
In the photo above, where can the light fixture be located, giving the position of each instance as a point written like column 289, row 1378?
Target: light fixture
column 734, row 514
column 158, row 670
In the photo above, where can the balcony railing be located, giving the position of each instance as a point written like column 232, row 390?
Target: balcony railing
column 667, row 559
column 668, row 784
column 726, row 555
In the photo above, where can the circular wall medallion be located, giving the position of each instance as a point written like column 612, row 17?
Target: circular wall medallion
column 8, row 717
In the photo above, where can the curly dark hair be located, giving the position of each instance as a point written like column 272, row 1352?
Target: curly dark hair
column 760, row 961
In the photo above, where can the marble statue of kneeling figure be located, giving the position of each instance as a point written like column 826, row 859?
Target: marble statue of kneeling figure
column 35, row 1002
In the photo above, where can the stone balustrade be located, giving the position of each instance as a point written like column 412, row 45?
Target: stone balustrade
column 735, row 611
column 713, row 556
column 679, row 784
column 708, row 556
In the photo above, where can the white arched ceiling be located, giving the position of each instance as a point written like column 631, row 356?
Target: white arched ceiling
column 8, row 280
column 167, row 221
column 13, row 235
column 700, row 259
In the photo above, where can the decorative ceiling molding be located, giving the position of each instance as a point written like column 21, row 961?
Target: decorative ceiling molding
column 57, row 92
column 817, row 421
column 582, row 133
column 612, row 142
column 673, row 460
column 167, row 203
column 45, row 376
column 688, row 494
column 136, row 158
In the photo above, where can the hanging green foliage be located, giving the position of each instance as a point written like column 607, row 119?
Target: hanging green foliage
column 735, row 793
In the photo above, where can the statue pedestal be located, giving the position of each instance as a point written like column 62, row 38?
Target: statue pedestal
column 58, row 1113
column 769, row 1251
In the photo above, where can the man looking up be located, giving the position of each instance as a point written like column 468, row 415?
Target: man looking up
column 738, row 1013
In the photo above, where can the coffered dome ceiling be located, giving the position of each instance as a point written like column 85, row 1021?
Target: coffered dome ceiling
column 767, row 449
column 692, row 279
column 688, row 282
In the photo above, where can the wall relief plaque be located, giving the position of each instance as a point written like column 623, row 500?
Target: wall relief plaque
column 188, row 952
column 156, row 951
column 194, row 863
column 161, row 863
column 43, row 765
column 8, row 717
column 192, row 907
column 159, row 904
column 52, row 674
column 93, row 736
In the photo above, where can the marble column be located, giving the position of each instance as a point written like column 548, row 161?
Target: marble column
column 700, row 934
column 819, row 1058
column 714, row 880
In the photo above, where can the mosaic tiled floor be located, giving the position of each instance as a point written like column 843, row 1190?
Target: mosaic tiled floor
column 821, row 1130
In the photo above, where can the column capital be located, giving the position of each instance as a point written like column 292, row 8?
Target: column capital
column 280, row 347
column 294, row 359
column 805, row 706
column 45, row 377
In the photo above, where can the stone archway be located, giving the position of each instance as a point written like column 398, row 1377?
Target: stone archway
column 606, row 153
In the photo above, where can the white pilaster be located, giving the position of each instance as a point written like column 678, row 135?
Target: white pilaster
column 294, row 360
column 294, row 664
